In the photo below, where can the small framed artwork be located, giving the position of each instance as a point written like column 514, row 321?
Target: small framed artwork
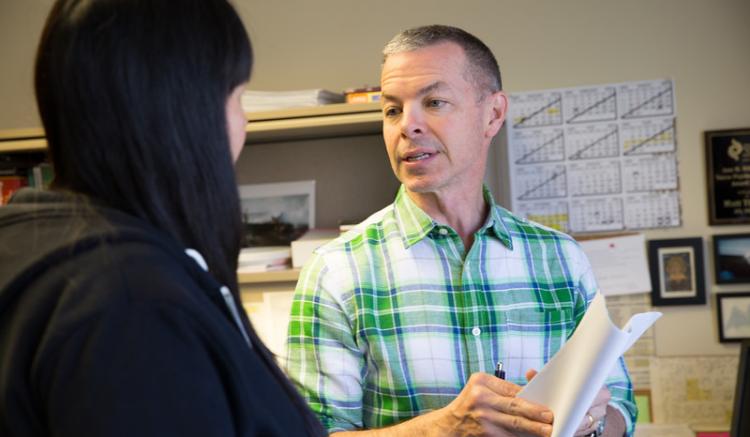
column 643, row 402
column 732, row 258
column 676, row 268
column 727, row 173
column 276, row 214
column 733, row 314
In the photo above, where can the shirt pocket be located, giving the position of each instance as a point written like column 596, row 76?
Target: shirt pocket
column 528, row 338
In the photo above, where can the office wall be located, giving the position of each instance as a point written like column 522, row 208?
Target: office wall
column 703, row 45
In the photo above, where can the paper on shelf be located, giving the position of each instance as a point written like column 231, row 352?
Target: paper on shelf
column 569, row 382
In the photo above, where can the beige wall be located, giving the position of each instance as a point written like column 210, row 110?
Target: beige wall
column 703, row 45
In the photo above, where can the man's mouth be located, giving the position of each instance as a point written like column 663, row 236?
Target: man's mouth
column 418, row 157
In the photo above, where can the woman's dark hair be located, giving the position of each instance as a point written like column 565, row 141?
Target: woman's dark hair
column 132, row 95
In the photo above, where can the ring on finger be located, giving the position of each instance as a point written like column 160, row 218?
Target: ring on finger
column 591, row 419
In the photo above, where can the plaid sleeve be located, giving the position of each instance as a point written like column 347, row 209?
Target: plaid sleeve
column 323, row 358
column 618, row 381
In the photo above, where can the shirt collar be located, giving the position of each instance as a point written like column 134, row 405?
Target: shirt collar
column 415, row 224
column 496, row 219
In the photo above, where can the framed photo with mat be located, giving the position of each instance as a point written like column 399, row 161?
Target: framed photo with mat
column 733, row 314
column 676, row 268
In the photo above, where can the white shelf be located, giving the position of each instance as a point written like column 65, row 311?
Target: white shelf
column 22, row 140
column 289, row 275
column 337, row 120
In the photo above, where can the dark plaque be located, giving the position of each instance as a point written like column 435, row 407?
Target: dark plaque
column 728, row 174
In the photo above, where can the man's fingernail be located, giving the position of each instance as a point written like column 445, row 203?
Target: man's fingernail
column 547, row 416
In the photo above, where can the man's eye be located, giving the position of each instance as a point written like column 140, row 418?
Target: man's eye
column 392, row 112
column 435, row 103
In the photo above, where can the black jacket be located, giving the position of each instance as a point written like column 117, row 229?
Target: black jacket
column 107, row 328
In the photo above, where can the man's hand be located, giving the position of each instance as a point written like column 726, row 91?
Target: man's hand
column 487, row 406
column 595, row 413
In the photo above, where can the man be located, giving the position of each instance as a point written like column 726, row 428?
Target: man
column 396, row 324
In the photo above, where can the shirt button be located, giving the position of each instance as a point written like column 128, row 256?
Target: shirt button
column 476, row 331
column 443, row 231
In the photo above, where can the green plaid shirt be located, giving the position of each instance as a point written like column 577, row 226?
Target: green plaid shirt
column 391, row 319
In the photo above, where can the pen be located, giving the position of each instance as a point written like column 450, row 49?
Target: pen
column 499, row 372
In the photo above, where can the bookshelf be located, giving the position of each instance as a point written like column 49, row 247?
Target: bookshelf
column 22, row 140
column 336, row 120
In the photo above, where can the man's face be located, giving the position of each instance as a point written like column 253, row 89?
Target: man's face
column 437, row 125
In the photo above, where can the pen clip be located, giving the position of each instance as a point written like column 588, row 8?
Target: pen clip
column 499, row 372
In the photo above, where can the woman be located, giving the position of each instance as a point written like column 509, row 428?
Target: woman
column 119, row 308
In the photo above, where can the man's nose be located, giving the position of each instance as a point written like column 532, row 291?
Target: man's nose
column 412, row 122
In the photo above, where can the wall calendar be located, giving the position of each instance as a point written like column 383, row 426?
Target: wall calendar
column 595, row 158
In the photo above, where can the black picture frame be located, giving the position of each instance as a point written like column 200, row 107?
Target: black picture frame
column 727, row 176
column 732, row 258
column 733, row 316
column 676, row 268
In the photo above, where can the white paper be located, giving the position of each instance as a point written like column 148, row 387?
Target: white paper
column 620, row 264
column 270, row 319
column 569, row 382
column 638, row 358
column 696, row 390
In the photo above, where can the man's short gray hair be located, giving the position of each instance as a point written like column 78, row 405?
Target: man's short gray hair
column 481, row 62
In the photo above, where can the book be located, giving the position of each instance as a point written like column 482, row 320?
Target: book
column 363, row 95
column 41, row 175
column 303, row 247
column 8, row 186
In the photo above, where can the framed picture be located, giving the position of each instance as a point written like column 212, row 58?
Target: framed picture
column 278, row 213
column 732, row 258
column 643, row 402
column 727, row 174
column 733, row 313
column 676, row 268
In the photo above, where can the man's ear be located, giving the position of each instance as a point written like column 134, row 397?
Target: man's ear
column 498, row 106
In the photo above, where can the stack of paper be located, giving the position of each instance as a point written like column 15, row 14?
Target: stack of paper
column 253, row 101
column 569, row 382
column 263, row 259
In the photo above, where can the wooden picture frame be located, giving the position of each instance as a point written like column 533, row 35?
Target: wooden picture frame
column 733, row 316
column 676, row 268
column 732, row 258
column 727, row 175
